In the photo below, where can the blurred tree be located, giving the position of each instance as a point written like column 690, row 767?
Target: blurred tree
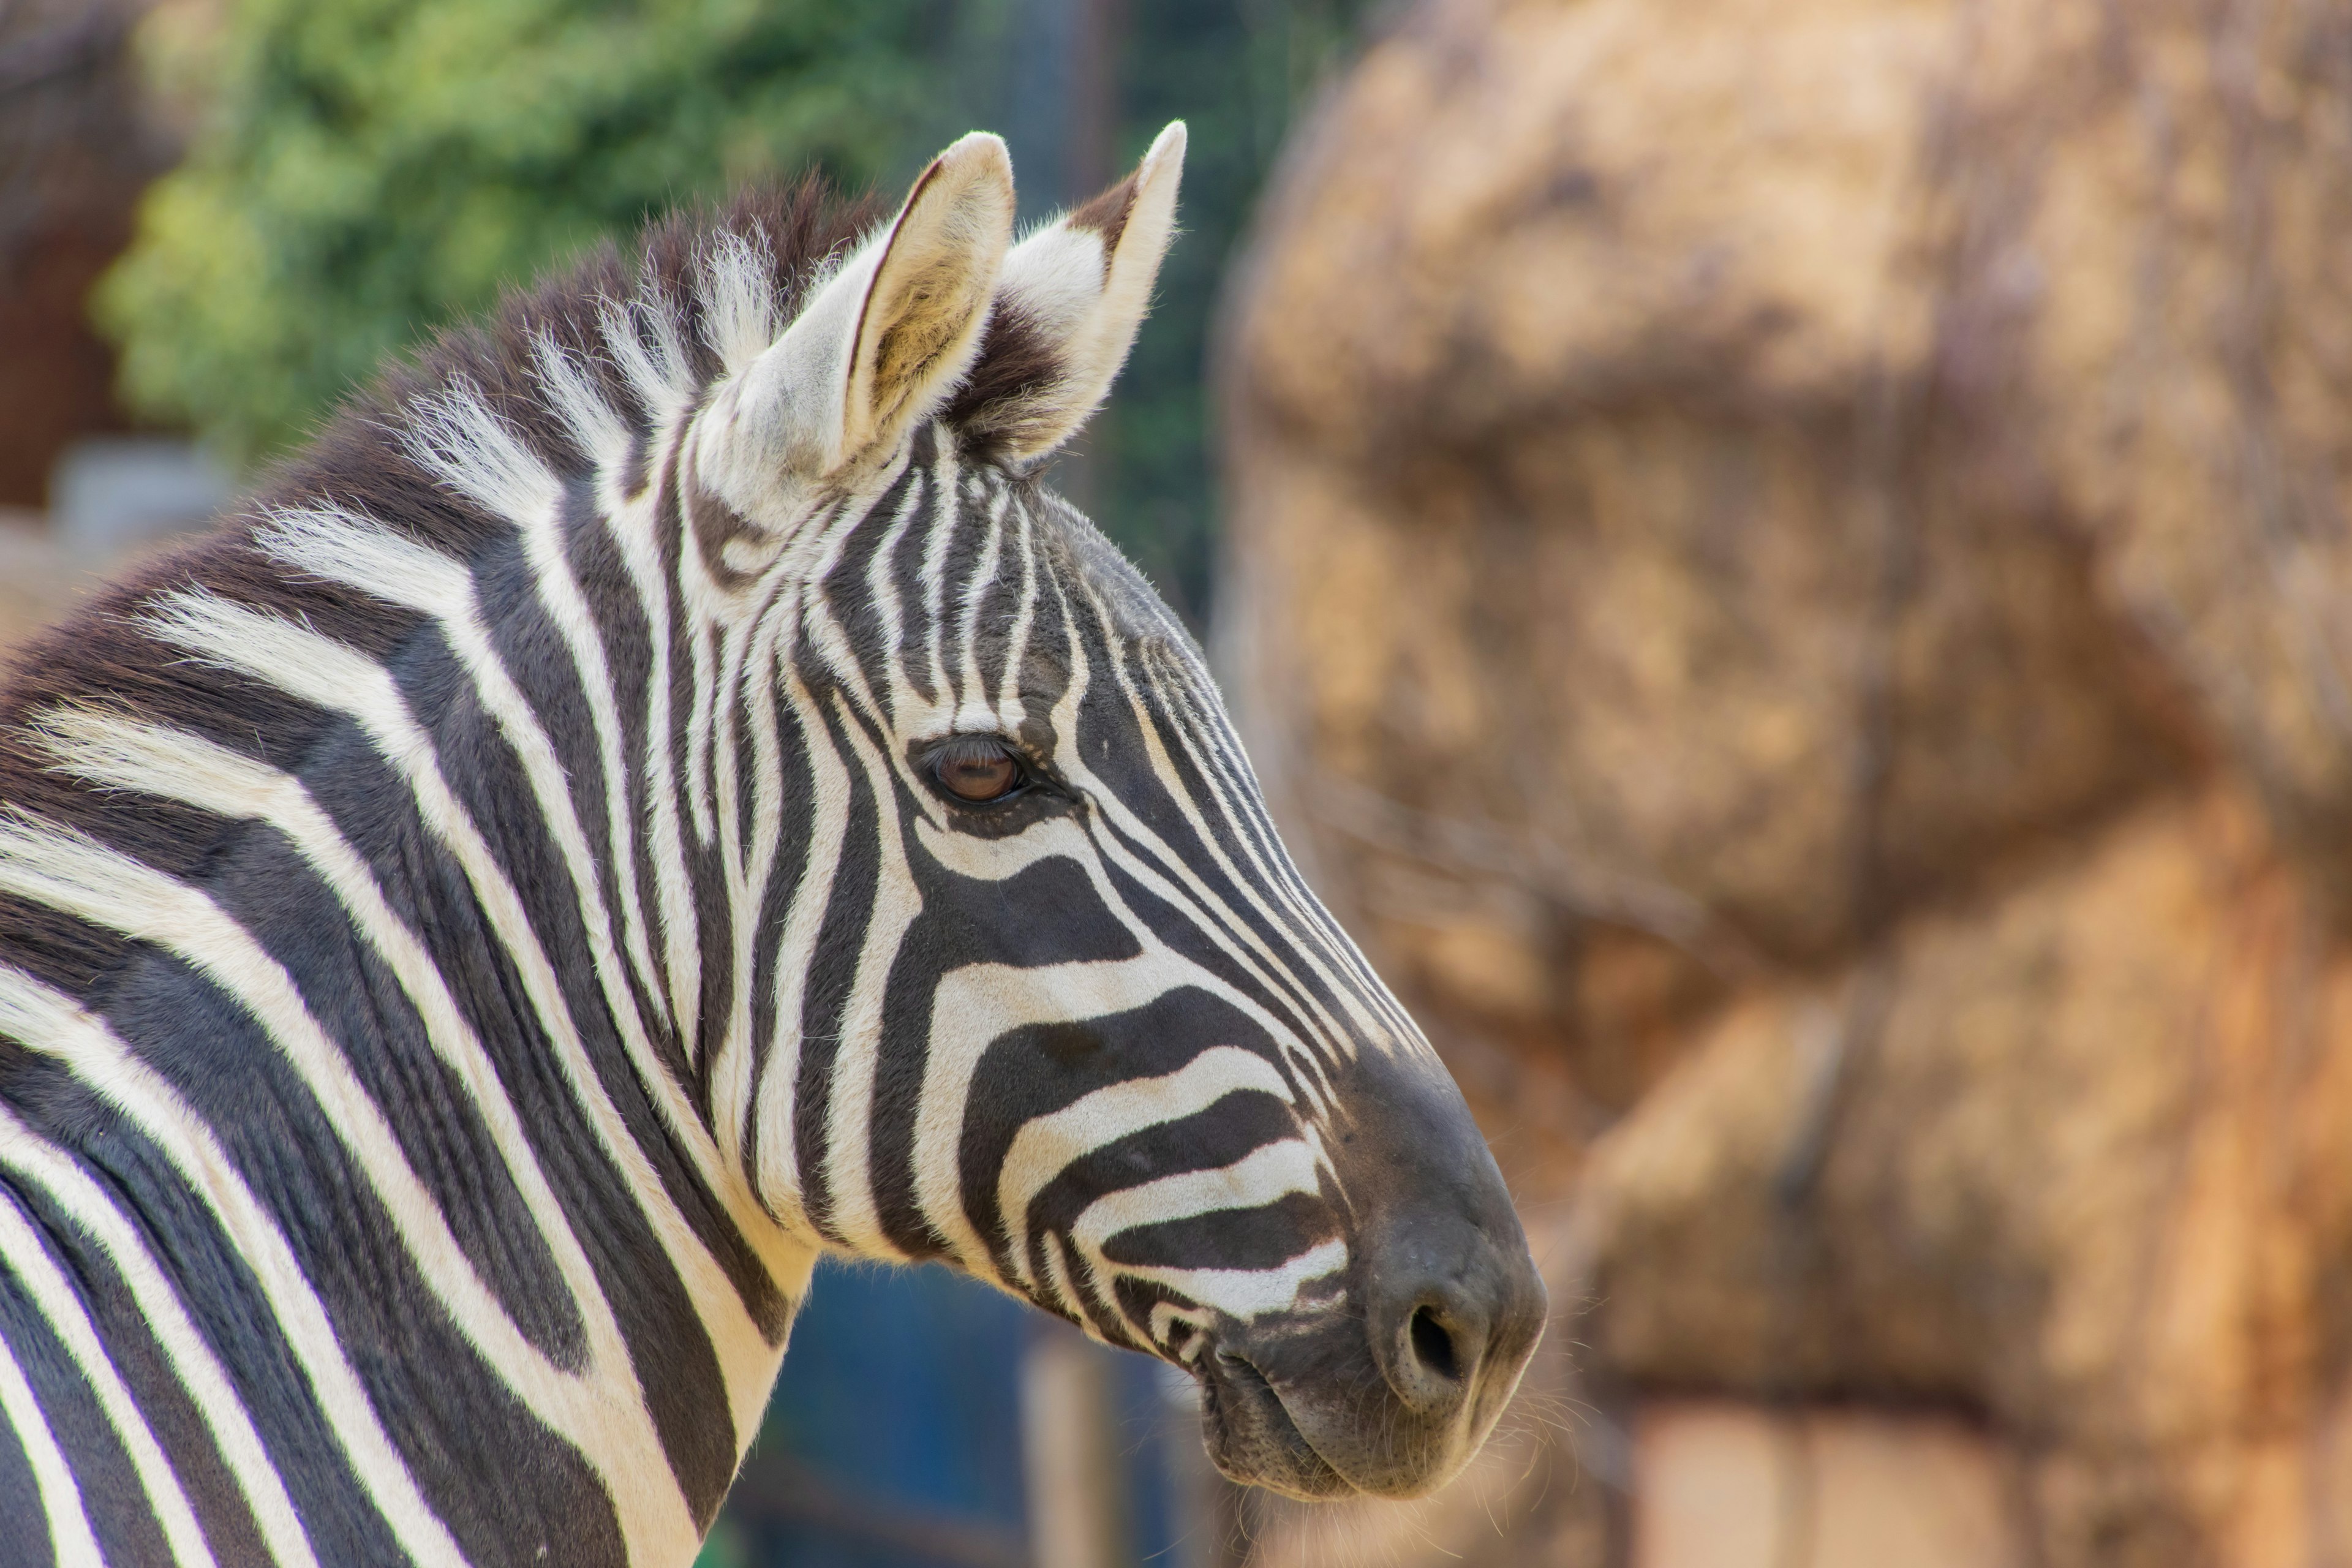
column 369, row 168
column 1239, row 71
column 1080, row 88
column 365, row 171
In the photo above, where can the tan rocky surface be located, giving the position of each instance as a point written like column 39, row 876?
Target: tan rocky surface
column 1790, row 571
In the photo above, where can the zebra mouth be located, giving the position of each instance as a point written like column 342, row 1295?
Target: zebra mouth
column 1252, row 1436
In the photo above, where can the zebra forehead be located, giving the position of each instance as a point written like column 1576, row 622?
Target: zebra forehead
column 1064, row 544
column 1129, row 606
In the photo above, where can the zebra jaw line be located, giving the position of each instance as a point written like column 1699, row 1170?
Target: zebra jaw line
column 660, row 791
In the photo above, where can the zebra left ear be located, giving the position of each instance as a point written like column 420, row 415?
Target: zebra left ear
column 1067, row 306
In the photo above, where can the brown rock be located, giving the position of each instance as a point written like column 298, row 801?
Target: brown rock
column 1623, row 458
column 1789, row 569
column 2061, row 1162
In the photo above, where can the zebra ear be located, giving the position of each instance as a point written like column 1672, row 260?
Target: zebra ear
column 893, row 331
column 1067, row 307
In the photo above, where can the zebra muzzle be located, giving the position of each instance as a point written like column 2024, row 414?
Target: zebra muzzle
column 1390, row 1382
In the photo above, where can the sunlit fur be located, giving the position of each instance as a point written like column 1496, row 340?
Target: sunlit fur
column 475, row 930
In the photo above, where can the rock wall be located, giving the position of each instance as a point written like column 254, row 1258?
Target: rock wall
column 1790, row 568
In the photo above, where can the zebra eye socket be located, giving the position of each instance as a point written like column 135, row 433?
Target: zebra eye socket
column 977, row 769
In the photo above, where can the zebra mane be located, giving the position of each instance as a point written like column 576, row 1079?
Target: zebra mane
column 689, row 290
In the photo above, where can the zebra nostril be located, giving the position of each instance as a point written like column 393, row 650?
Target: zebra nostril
column 1435, row 1344
column 1431, row 1345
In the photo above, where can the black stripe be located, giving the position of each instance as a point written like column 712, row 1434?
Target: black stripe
column 448, row 1413
column 224, row 1302
column 491, row 785
column 120, row 1514
column 20, row 1505
column 268, row 889
column 1046, row 914
column 1036, row 1071
column 795, row 843
column 218, row 1500
column 618, row 622
column 832, row 969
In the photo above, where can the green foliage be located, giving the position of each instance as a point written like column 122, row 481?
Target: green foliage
column 373, row 168
column 1238, row 72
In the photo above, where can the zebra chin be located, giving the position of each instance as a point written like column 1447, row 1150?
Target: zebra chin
column 1307, row 1440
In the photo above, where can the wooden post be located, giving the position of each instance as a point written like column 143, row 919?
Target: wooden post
column 1071, row 1452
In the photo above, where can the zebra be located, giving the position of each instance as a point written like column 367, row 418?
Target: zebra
column 656, row 792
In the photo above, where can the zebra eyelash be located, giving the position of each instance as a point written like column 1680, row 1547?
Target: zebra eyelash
column 981, row 745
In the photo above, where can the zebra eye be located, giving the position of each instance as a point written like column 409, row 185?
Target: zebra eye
column 977, row 769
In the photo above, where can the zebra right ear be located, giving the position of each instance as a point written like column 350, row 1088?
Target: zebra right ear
column 1067, row 308
column 883, row 341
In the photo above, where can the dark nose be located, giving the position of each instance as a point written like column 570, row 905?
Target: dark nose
column 1450, row 1310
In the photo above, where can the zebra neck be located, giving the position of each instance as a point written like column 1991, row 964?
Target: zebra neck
column 387, row 1048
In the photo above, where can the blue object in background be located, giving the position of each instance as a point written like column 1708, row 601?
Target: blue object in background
column 894, row 1438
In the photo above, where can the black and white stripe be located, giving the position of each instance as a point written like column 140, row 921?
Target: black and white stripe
column 472, row 933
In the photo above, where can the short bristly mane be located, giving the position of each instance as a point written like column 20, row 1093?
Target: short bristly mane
column 360, row 460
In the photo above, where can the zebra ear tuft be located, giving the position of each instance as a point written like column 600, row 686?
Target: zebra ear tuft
column 891, row 334
column 1067, row 306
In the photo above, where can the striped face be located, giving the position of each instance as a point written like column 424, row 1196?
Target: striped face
column 1025, row 978
column 1097, row 1043
column 1035, row 987
column 1089, row 1042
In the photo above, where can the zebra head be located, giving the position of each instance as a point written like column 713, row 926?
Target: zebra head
column 1029, row 982
column 657, row 791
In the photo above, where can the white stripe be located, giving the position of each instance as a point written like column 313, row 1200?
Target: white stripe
column 1009, row 702
column 644, row 336
column 984, row 577
column 346, row 549
column 567, row 607
column 729, row 1073
column 178, row 765
column 1204, row 736
column 632, row 531
column 1049, row 1144
column 32, row 1159
column 607, row 1424
column 1264, row 1175
column 574, row 396
column 1065, row 837
column 1247, row 1293
column 1217, row 756
column 1192, row 896
column 54, row 1025
column 1065, row 1289
column 881, row 581
column 932, row 575
column 37, row 1273
column 739, row 316
column 977, row 1004
column 849, row 1110
column 454, row 436
column 779, row 1174
column 70, row 1539
column 1225, row 925
column 332, row 676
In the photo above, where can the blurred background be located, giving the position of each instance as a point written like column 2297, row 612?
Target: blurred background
column 1787, row 566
